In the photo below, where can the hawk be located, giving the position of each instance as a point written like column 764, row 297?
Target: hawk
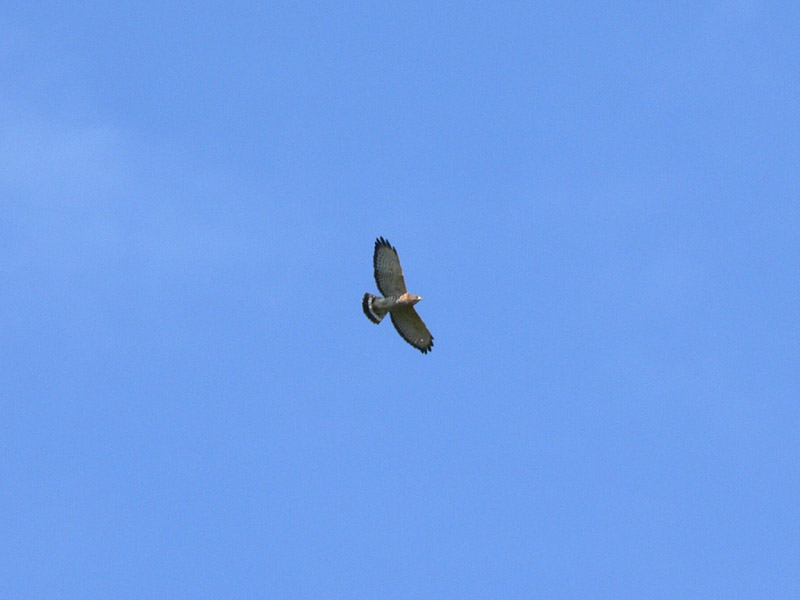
column 396, row 301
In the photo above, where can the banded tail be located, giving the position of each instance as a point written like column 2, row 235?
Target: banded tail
column 373, row 313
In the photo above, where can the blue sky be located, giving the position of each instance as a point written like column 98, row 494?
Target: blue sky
column 598, row 203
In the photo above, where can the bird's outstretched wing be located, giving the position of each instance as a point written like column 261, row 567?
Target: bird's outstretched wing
column 388, row 273
column 411, row 328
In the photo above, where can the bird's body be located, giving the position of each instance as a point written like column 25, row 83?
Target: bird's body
column 396, row 300
column 378, row 307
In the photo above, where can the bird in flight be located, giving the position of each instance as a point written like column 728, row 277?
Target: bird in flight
column 396, row 300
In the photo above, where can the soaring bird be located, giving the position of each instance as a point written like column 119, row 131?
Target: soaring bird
column 396, row 299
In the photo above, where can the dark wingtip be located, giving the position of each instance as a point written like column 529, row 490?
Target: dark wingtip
column 381, row 241
column 424, row 349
